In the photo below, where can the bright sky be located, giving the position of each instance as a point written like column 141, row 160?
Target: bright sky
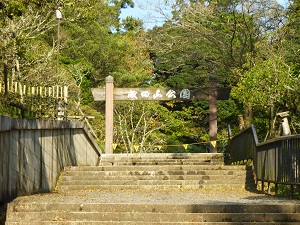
column 146, row 10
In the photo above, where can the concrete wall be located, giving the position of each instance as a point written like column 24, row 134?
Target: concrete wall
column 34, row 152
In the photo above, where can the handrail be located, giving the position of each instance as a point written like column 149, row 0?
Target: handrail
column 247, row 141
column 275, row 161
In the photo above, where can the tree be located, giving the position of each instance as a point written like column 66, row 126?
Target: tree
column 220, row 36
column 264, row 84
column 30, row 46
column 105, row 51
column 138, row 125
column 21, row 24
column 292, row 38
column 151, row 127
column 292, row 49
column 131, row 24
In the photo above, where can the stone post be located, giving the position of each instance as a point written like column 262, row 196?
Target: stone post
column 213, row 126
column 109, row 114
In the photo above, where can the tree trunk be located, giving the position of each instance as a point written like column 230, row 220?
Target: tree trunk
column 248, row 116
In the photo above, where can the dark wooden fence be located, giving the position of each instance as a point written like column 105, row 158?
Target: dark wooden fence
column 276, row 161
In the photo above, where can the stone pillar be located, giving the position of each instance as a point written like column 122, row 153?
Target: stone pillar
column 109, row 114
column 213, row 126
column 285, row 123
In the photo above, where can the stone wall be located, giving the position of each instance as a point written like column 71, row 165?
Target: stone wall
column 34, row 152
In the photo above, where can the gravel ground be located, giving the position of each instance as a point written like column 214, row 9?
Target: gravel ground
column 173, row 196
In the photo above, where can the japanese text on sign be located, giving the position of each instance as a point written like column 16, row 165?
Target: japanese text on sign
column 146, row 94
column 171, row 94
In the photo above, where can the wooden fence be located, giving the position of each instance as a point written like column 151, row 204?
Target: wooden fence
column 58, row 92
column 276, row 161
column 37, row 101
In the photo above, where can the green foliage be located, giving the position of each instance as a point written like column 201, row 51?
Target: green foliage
column 291, row 42
column 96, row 123
column 150, row 124
column 139, row 123
column 89, row 50
column 218, row 37
column 285, row 191
column 180, row 57
column 242, row 44
column 228, row 112
column 131, row 24
column 264, row 85
column 14, row 8
column 123, row 3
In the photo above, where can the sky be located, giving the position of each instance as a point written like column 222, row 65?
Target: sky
column 146, row 10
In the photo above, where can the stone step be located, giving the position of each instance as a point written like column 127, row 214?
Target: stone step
column 182, row 181
column 161, row 159
column 137, row 161
column 149, row 177
column 161, row 156
column 144, row 223
column 154, row 189
column 158, row 168
column 82, row 178
column 141, row 173
column 175, row 208
column 150, row 163
column 152, row 216
column 149, row 187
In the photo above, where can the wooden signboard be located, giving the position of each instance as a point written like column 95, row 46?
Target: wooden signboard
column 158, row 94
column 143, row 94
column 110, row 94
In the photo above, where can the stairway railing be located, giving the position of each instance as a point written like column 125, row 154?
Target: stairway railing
column 276, row 161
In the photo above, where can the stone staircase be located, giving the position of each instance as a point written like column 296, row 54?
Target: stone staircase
column 157, row 171
column 155, row 189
